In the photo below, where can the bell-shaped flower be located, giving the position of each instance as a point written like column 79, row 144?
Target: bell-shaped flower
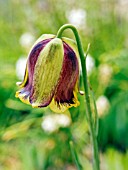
column 51, row 75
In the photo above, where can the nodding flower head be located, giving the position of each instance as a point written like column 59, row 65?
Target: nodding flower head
column 51, row 75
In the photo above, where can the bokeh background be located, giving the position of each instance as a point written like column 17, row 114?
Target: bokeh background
column 37, row 139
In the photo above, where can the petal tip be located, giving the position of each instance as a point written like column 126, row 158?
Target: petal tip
column 35, row 105
column 22, row 97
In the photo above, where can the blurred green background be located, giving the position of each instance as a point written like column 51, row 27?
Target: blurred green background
column 37, row 139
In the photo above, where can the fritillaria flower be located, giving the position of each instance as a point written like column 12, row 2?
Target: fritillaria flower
column 51, row 75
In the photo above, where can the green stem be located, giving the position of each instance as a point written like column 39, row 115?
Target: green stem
column 74, row 155
column 86, row 89
column 96, row 113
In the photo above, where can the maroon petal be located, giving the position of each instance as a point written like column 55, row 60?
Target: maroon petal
column 32, row 59
column 68, row 78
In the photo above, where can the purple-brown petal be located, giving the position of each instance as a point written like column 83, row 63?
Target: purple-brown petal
column 68, row 78
column 32, row 59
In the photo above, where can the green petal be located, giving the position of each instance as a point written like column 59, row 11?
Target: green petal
column 47, row 73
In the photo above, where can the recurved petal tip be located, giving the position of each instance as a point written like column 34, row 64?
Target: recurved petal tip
column 57, row 108
column 23, row 97
column 62, row 107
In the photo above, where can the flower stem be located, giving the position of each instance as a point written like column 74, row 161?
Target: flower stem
column 96, row 113
column 86, row 89
column 74, row 155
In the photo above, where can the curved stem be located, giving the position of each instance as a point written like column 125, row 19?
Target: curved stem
column 86, row 89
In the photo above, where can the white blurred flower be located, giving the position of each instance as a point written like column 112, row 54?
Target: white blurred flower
column 77, row 17
column 90, row 63
column 70, row 167
column 52, row 123
column 105, row 73
column 63, row 120
column 49, row 123
column 105, row 69
column 102, row 105
column 121, row 8
column 26, row 40
column 20, row 67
